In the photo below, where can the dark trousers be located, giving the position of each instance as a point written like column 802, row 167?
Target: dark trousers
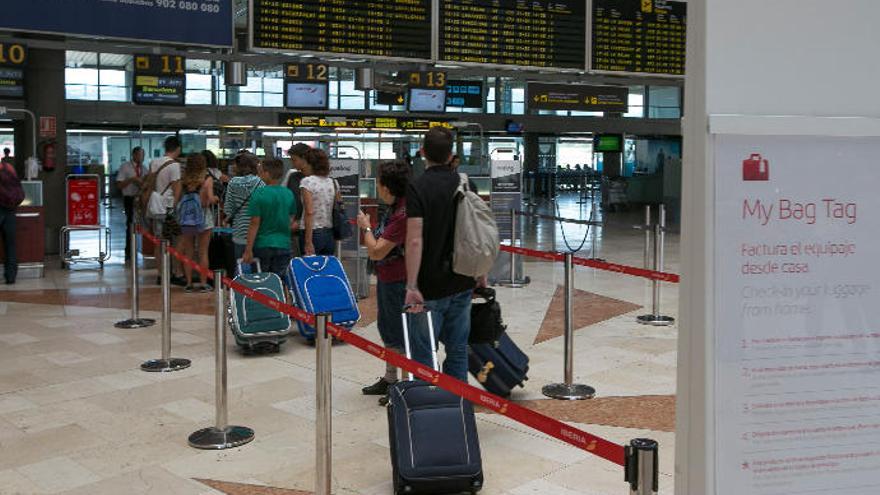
column 128, row 205
column 275, row 260
column 323, row 241
column 7, row 229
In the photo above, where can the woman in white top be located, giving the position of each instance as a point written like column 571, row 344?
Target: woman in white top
column 319, row 192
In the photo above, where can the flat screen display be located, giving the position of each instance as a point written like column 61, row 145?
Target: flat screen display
column 641, row 36
column 427, row 100
column 306, row 96
column 608, row 143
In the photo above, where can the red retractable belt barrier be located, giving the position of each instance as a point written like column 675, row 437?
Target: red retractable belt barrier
column 557, row 429
column 599, row 265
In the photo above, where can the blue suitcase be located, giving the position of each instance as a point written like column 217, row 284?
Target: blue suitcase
column 499, row 366
column 257, row 327
column 433, row 436
column 320, row 285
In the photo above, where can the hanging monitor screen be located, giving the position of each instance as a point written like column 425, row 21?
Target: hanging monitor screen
column 387, row 28
column 536, row 33
column 647, row 36
column 306, row 86
column 427, row 100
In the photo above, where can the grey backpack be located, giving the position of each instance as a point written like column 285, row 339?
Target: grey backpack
column 476, row 234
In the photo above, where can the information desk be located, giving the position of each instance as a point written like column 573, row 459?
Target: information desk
column 539, row 33
column 388, row 28
column 642, row 36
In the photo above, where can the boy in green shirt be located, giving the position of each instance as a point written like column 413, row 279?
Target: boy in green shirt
column 273, row 215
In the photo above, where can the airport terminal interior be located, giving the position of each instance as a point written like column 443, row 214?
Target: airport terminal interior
column 565, row 115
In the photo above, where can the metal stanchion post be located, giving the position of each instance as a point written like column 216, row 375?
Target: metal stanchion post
column 323, row 409
column 643, row 467
column 512, row 282
column 648, row 233
column 135, row 321
column 166, row 362
column 220, row 436
column 569, row 390
column 655, row 318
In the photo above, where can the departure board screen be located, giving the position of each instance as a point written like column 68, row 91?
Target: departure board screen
column 527, row 33
column 376, row 28
column 639, row 36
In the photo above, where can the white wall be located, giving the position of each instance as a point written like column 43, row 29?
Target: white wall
column 751, row 60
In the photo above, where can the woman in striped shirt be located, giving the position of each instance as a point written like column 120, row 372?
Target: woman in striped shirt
column 238, row 194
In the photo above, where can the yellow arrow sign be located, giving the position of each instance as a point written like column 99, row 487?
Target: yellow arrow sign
column 400, row 99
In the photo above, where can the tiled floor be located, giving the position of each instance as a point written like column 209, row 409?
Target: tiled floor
column 78, row 417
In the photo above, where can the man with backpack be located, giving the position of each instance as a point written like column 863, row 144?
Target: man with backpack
column 11, row 195
column 164, row 181
column 295, row 175
column 434, row 282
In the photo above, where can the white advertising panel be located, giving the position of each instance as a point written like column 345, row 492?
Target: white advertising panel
column 797, row 315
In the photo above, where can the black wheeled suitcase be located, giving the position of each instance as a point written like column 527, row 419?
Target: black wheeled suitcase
column 499, row 366
column 433, row 435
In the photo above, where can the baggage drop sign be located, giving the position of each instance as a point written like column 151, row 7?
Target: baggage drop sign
column 797, row 315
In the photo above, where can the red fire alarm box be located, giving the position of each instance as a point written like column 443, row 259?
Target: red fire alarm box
column 756, row 168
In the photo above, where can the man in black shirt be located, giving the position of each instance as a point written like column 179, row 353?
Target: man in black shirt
column 431, row 283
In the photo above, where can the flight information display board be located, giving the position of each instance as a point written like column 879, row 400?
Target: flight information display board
column 386, row 28
column 647, row 36
column 533, row 33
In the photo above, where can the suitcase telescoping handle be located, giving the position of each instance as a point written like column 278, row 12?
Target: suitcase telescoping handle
column 406, row 339
column 256, row 261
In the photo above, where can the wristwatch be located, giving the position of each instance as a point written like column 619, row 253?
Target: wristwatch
column 368, row 229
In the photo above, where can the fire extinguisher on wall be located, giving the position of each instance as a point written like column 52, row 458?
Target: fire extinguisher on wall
column 48, row 154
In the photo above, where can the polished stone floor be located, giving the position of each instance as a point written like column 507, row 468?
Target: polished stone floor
column 78, row 417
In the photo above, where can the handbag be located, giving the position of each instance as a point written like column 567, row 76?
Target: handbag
column 153, row 202
column 170, row 226
column 487, row 325
column 341, row 225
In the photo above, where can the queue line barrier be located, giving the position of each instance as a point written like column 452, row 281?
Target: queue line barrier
column 639, row 459
column 596, row 264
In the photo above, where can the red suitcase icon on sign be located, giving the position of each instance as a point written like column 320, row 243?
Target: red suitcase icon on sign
column 756, row 168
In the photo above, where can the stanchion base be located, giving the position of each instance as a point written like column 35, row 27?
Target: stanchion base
column 656, row 321
column 561, row 391
column 215, row 439
column 131, row 324
column 165, row 365
column 510, row 284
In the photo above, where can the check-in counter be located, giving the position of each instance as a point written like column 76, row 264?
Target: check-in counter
column 30, row 232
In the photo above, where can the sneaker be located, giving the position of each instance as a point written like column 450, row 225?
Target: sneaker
column 188, row 289
column 206, row 288
column 177, row 280
column 379, row 388
column 383, row 401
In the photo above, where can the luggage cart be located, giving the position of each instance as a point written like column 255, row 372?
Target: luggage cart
column 83, row 203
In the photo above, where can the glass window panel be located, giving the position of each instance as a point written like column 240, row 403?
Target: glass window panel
column 250, row 99
column 273, row 85
column 273, row 100
column 114, row 93
column 351, row 103
column 198, row 97
column 518, row 108
column 113, row 77
column 81, row 76
column 636, row 102
column 199, row 81
column 75, row 91
column 115, row 61
column 81, row 59
column 254, row 83
column 665, row 102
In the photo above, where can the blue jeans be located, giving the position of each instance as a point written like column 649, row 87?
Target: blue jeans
column 275, row 260
column 7, row 231
column 452, row 324
column 323, row 240
column 390, row 298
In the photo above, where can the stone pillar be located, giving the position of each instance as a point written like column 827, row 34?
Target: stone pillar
column 44, row 87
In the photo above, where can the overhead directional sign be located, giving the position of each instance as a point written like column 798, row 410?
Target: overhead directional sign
column 357, row 122
column 389, row 98
column 159, row 80
column 465, row 94
column 13, row 58
column 577, row 97
column 188, row 22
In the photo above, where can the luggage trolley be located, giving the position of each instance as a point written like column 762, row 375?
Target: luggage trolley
column 83, row 213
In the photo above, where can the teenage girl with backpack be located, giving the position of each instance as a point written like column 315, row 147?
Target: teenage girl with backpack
column 195, row 213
